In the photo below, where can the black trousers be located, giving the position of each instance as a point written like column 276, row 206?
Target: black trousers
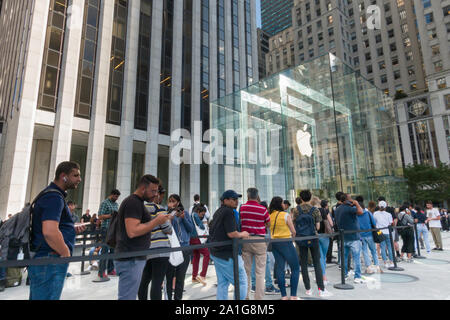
column 179, row 273
column 154, row 271
column 330, row 249
column 315, row 254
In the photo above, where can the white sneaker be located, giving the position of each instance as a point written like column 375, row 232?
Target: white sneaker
column 325, row 283
column 359, row 280
column 351, row 273
column 309, row 292
column 325, row 293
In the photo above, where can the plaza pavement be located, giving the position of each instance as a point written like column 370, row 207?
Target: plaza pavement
column 426, row 279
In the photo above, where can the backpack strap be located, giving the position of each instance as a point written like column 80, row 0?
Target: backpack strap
column 312, row 210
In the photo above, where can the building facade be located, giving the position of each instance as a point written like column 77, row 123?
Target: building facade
column 105, row 83
column 263, row 49
column 399, row 46
column 276, row 15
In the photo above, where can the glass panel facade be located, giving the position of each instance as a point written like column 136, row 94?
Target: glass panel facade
column 317, row 126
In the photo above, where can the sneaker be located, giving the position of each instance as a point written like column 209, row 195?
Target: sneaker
column 391, row 265
column 253, row 289
column 112, row 273
column 359, row 280
column 101, row 279
column 440, row 249
column 201, row 280
column 272, row 291
column 351, row 273
column 309, row 292
column 195, row 280
column 325, row 293
column 326, row 282
column 435, row 249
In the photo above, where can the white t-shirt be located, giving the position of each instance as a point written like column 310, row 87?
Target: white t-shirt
column 383, row 220
column 433, row 213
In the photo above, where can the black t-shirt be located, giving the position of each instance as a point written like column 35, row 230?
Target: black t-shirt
column 132, row 207
column 86, row 218
column 222, row 223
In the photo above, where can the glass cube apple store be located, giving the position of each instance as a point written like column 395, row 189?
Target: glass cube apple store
column 317, row 126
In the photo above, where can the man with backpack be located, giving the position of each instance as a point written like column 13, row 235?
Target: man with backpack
column 53, row 233
column 347, row 219
column 307, row 220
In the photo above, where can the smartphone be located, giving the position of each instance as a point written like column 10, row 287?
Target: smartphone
column 82, row 224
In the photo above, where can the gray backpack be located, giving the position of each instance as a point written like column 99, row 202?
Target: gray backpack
column 15, row 233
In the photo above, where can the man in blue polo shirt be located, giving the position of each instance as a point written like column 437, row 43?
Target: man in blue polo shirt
column 53, row 234
column 346, row 216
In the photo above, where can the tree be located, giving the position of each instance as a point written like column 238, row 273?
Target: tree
column 426, row 182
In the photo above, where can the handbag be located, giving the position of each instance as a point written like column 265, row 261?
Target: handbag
column 378, row 235
column 202, row 234
column 176, row 257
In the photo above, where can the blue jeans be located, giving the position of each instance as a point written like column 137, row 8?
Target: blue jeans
column 105, row 265
column 225, row 277
column 383, row 245
column 422, row 229
column 2, row 273
column 285, row 252
column 323, row 244
column 268, row 276
column 130, row 274
column 47, row 281
column 355, row 247
column 369, row 244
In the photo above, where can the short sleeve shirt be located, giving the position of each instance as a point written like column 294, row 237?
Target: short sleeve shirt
column 254, row 218
column 383, row 220
column 52, row 206
column 223, row 222
column 107, row 207
column 434, row 213
column 347, row 220
column 132, row 207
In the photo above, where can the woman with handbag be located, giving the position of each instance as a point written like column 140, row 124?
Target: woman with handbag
column 200, row 229
column 281, row 227
column 183, row 226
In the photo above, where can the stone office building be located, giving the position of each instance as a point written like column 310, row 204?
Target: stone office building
column 106, row 82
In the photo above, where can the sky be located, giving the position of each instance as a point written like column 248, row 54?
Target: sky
column 258, row 13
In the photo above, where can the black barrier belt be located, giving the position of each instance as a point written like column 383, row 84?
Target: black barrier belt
column 134, row 254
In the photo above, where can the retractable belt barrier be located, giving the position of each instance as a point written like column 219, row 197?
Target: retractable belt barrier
column 234, row 243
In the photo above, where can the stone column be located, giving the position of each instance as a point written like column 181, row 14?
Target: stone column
column 62, row 134
column 404, row 134
column 95, row 151
column 438, row 107
column 196, row 154
column 177, row 73
column 151, row 148
column 124, row 166
column 18, row 131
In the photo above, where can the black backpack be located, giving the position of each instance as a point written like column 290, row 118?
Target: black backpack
column 16, row 233
column 111, row 234
column 305, row 227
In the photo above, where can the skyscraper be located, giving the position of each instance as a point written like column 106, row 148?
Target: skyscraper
column 276, row 15
column 106, row 82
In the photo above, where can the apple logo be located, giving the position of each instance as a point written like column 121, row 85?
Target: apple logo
column 304, row 142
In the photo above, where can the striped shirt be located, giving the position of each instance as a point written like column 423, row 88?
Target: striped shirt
column 254, row 218
column 159, row 233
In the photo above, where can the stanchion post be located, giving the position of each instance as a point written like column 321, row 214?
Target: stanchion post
column 82, row 272
column 237, row 293
column 342, row 285
column 391, row 240
column 417, row 243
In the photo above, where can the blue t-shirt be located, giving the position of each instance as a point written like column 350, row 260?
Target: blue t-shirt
column 366, row 221
column 52, row 206
column 347, row 220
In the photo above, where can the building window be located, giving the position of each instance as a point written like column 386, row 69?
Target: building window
column 441, row 83
column 53, row 52
column 88, row 53
column 165, row 99
column 143, row 66
column 117, row 66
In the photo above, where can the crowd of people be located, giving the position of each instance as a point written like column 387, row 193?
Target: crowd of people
column 141, row 223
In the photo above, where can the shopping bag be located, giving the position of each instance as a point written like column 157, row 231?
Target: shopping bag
column 176, row 257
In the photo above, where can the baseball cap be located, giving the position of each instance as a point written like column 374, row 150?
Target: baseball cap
column 230, row 194
column 382, row 204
